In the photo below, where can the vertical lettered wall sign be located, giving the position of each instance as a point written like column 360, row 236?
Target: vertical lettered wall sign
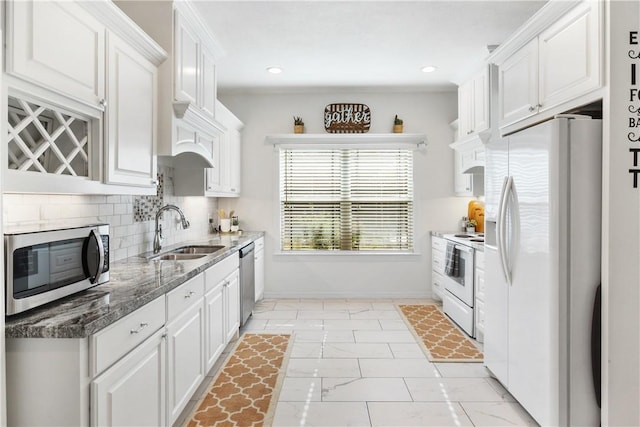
column 633, row 136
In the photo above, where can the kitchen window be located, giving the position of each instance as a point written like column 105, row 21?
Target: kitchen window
column 334, row 199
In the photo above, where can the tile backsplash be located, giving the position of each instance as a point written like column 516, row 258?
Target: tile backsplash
column 128, row 237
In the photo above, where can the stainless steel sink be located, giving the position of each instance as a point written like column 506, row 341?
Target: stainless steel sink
column 178, row 257
column 197, row 249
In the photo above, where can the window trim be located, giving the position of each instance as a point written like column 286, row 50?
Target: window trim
column 416, row 142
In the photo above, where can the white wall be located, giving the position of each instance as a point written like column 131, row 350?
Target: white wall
column 621, row 228
column 347, row 275
column 128, row 238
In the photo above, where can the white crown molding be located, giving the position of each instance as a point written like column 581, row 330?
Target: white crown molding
column 119, row 23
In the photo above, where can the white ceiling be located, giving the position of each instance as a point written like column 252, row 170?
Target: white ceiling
column 356, row 44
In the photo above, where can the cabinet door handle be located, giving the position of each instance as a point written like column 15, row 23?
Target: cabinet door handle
column 532, row 108
column 539, row 105
column 103, row 103
column 190, row 294
column 142, row 326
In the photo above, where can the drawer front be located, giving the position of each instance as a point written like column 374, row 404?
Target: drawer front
column 437, row 285
column 259, row 244
column 437, row 261
column 438, row 243
column 215, row 274
column 459, row 312
column 480, row 260
column 184, row 296
column 120, row 338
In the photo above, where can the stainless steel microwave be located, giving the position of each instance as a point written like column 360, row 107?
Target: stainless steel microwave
column 44, row 266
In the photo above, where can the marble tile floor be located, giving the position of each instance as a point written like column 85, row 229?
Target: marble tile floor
column 354, row 362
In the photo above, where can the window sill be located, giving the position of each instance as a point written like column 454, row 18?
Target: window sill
column 347, row 253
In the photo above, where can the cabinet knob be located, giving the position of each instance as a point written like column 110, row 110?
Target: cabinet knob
column 154, row 181
column 103, row 103
column 539, row 105
column 190, row 294
column 532, row 108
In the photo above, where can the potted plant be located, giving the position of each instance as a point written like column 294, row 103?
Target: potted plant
column 397, row 125
column 298, row 125
column 471, row 226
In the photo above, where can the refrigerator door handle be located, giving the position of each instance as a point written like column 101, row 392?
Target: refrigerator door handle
column 501, row 228
column 511, row 200
column 504, row 249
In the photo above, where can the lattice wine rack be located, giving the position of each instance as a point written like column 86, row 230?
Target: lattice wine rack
column 45, row 140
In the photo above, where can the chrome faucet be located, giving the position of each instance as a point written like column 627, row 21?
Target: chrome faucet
column 157, row 239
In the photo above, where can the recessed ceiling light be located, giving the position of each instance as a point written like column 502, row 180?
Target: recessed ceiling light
column 428, row 69
column 274, row 70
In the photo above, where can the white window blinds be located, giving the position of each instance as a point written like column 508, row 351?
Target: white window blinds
column 346, row 199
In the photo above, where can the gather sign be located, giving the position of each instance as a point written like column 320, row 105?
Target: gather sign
column 347, row 118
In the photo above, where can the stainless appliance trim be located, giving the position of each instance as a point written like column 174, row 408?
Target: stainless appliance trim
column 247, row 282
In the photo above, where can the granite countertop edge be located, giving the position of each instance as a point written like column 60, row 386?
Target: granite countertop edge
column 134, row 282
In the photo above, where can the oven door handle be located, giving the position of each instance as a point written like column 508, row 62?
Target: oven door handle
column 465, row 249
column 94, row 235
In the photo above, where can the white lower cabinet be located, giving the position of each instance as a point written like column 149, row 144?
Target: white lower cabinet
column 480, row 296
column 132, row 392
column 215, row 334
column 258, row 257
column 185, row 344
column 438, row 248
column 232, row 305
column 140, row 371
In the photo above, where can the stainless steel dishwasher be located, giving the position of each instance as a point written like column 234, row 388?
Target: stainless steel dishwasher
column 247, row 282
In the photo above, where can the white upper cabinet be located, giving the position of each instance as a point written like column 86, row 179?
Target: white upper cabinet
column 57, row 45
column 223, row 179
column 557, row 70
column 569, row 55
column 188, row 83
column 209, row 91
column 518, row 84
column 131, row 116
column 473, row 105
column 186, row 60
column 82, row 85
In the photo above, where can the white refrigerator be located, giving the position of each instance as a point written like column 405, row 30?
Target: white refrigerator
column 542, row 255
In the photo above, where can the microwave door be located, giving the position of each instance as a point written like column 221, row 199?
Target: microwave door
column 93, row 256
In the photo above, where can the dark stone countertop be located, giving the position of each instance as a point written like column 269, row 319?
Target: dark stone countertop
column 134, row 282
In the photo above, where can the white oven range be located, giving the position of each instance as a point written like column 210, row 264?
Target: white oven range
column 458, row 297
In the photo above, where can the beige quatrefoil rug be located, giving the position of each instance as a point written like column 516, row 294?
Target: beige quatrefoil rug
column 439, row 338
column 245, row 390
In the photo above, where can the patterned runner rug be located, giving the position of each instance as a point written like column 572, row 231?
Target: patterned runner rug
column 245, row 390
column 439, row 338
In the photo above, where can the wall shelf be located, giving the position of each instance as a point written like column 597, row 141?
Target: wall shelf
column 349, row 140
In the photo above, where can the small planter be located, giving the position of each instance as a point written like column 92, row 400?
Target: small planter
column 298, row 129
column 471, row 229
column 398, row 128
